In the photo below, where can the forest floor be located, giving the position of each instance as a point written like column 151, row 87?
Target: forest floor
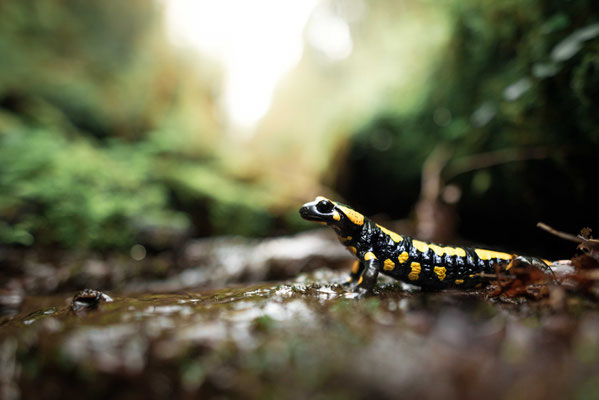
column 198, row 334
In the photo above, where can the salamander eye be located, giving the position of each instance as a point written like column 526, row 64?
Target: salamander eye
column 324, row 206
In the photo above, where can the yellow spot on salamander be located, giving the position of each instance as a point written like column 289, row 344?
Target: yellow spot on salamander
column 336, row 216
column 459, row 281
column 388, row 265
column 350, row 279
column 352, row 215
column 356, row 267
column 420, row 246
column 394, row 236
column 345, row 239
column 546, row 262
column 360, row 280
column 352, row 250
column 403, row 257
column 437, row 249
column 454, row 251
column 369, row 256
column 440, row 271
column 489, row 254
column 413, row 275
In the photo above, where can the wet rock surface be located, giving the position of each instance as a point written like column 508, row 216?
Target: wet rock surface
column 207, row 262
column 238, row 318
column 300, row 338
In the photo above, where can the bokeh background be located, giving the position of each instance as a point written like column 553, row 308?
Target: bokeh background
column 135, row 122
column 158, row 151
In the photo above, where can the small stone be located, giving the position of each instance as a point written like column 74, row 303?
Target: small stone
column 89, row 299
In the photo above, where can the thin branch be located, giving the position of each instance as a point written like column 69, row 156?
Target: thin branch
column 496, row 157
column 560, row 234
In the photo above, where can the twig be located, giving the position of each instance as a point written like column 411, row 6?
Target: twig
column 560, row 234
column 492, row 158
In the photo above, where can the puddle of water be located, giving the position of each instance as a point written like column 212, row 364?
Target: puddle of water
column 37, row 315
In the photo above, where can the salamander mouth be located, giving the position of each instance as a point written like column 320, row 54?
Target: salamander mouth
column 307, row 213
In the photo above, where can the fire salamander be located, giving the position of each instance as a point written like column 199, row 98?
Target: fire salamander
column 428, row 265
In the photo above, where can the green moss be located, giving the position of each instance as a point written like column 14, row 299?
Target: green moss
column 230, row 206
column 75, row 194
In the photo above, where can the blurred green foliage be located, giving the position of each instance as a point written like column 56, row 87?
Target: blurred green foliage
column 69, row 192
column 106, row 129
column 99, row 117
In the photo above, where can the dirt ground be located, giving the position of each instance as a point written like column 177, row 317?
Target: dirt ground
column 305, row 337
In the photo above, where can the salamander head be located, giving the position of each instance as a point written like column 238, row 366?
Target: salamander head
column 339, row 217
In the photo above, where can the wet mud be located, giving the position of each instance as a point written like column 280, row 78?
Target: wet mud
column 300, row 338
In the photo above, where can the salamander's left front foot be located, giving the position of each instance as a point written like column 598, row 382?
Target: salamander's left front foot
column 350, row 284
column 356, row 289
column 362, row 292
column 357, row 293
column 366, row 280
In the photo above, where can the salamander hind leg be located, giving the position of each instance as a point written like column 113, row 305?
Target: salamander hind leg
column 532, row 262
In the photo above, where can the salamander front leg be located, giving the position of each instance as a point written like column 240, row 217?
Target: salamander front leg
column 356, row 271
column 368, row 278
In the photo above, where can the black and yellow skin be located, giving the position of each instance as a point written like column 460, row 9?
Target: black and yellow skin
column 380, row 250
